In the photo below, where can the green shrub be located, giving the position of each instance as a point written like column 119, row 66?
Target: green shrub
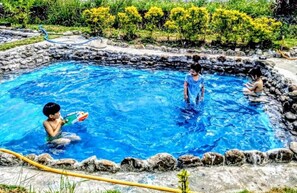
column 170, row 27
column 195, row 23
column 20, row 10
column 178, row 16
column 231, row 26
column 98, row 19
column 265, row 30
column 128, row 21
column 65, row 12
column 254, row 8
column 153, row 18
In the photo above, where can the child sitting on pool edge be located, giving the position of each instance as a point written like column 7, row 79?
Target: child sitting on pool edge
column 53, row 126
column 255, row 88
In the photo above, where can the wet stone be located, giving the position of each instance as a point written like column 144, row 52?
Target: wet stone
column 9, row 160
column 44, row 159
column 106, row 166
column 295, row 125
column 281, row 155
column 64, row 164
column 255, row 157
column 162, row 162
column 88, row 164
column 133, row 164
column 212, row 158
column 290, row 116
column 187, row 161
column 293, row 147
column 234, row 157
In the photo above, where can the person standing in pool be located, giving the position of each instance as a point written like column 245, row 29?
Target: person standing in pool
column 256, row 87
column 194, row 85
column 53, row 126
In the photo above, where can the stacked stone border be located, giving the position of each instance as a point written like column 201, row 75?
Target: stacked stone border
column 276, row 86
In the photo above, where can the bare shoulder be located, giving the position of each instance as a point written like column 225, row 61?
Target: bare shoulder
column 46, row 123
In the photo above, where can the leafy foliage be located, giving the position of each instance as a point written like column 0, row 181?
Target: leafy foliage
column 195, row 23
column 153, row 17
column 20, row 10
column 98, row 19
column 128, row 21
column 183, row 181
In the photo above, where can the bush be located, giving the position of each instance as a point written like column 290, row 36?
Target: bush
column 178, row 16
column 20, row 10
column 65, row 12
column 98, row 19
column 128, row 20
column 153, row 17
column 195, row 23
column 265, row 30
column 231, row 26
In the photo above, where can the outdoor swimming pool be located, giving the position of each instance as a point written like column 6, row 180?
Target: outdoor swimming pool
column 132, row 113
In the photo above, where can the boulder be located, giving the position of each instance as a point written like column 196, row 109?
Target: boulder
column 134, row 164
column 187, row 161
column 280, row 155
column 234, row 157
column 211, row 158
column 162, row 162
column 255, row 157
column 106, row 166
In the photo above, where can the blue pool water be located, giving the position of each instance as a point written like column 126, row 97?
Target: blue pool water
column 135, row 113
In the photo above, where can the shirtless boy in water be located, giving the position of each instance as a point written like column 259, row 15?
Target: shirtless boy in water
column 255, row 88
column 53, row 125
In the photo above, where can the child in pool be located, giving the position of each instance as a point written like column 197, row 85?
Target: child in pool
column 53, row 126
column 256, row 87
column 194, row 85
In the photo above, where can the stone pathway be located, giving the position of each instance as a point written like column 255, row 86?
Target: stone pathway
column 220, row 179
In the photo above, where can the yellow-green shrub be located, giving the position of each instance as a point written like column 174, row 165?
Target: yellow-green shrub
column 231, row 25
column 98, row 19
column 178, row 16
column 265, row 30
column 128, row 20
column 170, row 27
column 153, row 18
column 195, row 23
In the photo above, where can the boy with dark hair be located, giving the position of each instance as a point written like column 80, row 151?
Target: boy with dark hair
column 255, row 88
column 53, row 125
column 194, row 85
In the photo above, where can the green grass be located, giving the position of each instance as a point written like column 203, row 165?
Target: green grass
column 27, row 41
column 11, row 189
column 288, row 43
column 59, row 28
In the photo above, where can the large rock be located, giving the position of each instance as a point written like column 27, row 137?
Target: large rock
column 281, row 155
column 64, row 164
column 255, row 157
column 162, row 162
column 9, row 160
column 106, row 166
column 134, row 164
column 45, row 159
column 88, row 164
column 290, row 116
column 234, row 157
column 211, row 158
column 187, row 161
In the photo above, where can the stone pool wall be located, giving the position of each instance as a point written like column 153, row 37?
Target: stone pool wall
column 276, row 86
